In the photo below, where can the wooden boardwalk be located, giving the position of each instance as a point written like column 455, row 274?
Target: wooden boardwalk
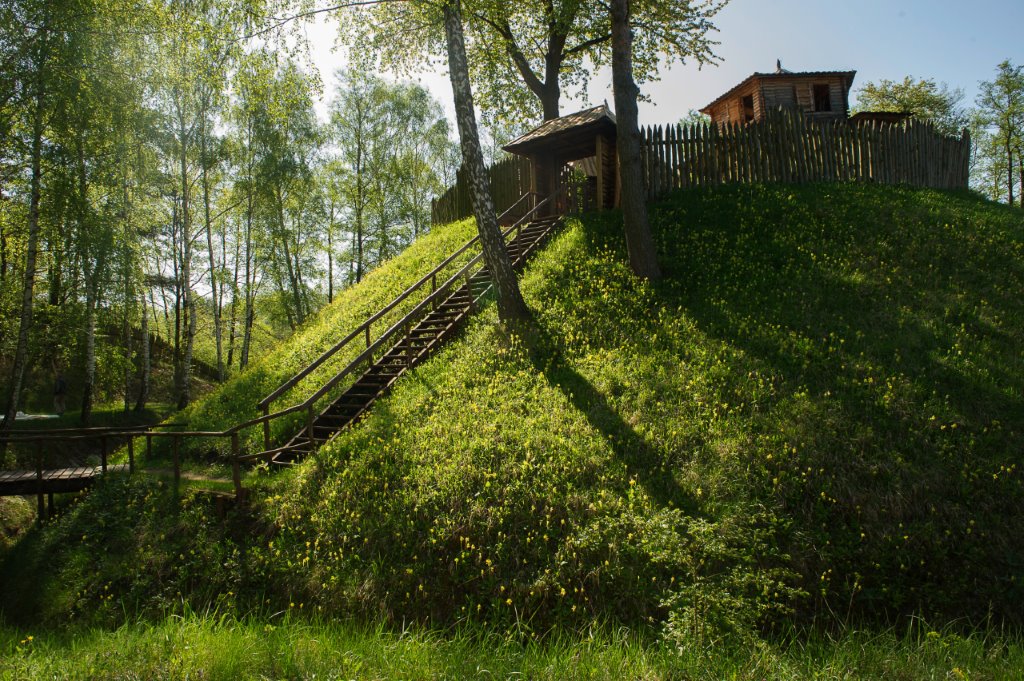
column 53, row 480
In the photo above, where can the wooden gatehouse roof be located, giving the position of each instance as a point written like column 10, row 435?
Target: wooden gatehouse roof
column 782, row 74
column 566, row 135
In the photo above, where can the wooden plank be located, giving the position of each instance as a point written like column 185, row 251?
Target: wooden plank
column 724, row 138
column 684, row 156
column 661, row 161
column 774, row 150
column 865, row 159
column 817, row 142
column 673, row 156
column 792, row 170
column 732, row 158
column 707, row 154
column 677, row 156
column 748, row 150
column 757, row 132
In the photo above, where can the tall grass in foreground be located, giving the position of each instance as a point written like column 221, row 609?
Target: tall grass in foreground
column 225, row 648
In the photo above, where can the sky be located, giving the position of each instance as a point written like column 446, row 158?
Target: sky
column 958, row 43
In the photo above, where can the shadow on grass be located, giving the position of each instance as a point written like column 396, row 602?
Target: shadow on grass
column 643, row 462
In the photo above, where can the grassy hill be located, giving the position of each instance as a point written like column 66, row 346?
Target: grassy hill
column 816, row 416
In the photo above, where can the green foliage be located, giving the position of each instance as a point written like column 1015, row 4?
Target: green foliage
column 382, row 182
column 924, row 98
column 999, row 134
column 16, row 517
column 523, row 55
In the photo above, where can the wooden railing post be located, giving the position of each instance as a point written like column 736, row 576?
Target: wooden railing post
column 408, row 345
column 103, row 454
column 177, row 460
column 131, row 454
column 149, row 447
column 39, row 482
column 236, row 473
column 266, row 427
column 310, row 418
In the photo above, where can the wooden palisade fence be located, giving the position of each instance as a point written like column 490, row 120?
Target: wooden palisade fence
column 790, row 148
column 510, row 179
column 784, row 147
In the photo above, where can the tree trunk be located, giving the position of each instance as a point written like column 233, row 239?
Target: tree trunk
column 330, row 256
column 639, row 243
column 92, row 267
column 213, row 263
column 25, row 323
column 3, row 256
column 1020, row 169
column 247, row 322
column 551, row 91
column 359, row 210
column 511, row 306
column 145, row 366
column 185, row 384
column 233, row 322
column 89, row 382
column 176, row 269
column 126, row 332
column 1009, row 170
column 293, row 281
column 250, row 275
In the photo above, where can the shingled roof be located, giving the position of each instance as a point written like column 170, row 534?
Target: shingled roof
column 567, row 130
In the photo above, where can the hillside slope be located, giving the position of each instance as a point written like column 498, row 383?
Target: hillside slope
column 236, row 400
column 818, row 412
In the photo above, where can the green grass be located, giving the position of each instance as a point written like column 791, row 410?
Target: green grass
column 16, row 517
column 286, row 646
column 813, row 422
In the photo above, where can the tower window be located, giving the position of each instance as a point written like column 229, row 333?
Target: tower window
column 822, row 98
column 748, row 108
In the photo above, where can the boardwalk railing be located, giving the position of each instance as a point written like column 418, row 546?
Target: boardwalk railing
column 788, row 147
column 41, row 477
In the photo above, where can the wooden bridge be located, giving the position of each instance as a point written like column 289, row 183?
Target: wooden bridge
column 445, row 300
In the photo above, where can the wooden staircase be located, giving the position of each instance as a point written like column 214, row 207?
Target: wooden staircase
column 421, row 340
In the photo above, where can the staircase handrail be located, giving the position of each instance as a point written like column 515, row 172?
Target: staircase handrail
column 98, row 430
column 518, row 201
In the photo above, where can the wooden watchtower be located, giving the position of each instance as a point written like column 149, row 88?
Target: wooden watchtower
column 817, row 94
column 583, row 141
